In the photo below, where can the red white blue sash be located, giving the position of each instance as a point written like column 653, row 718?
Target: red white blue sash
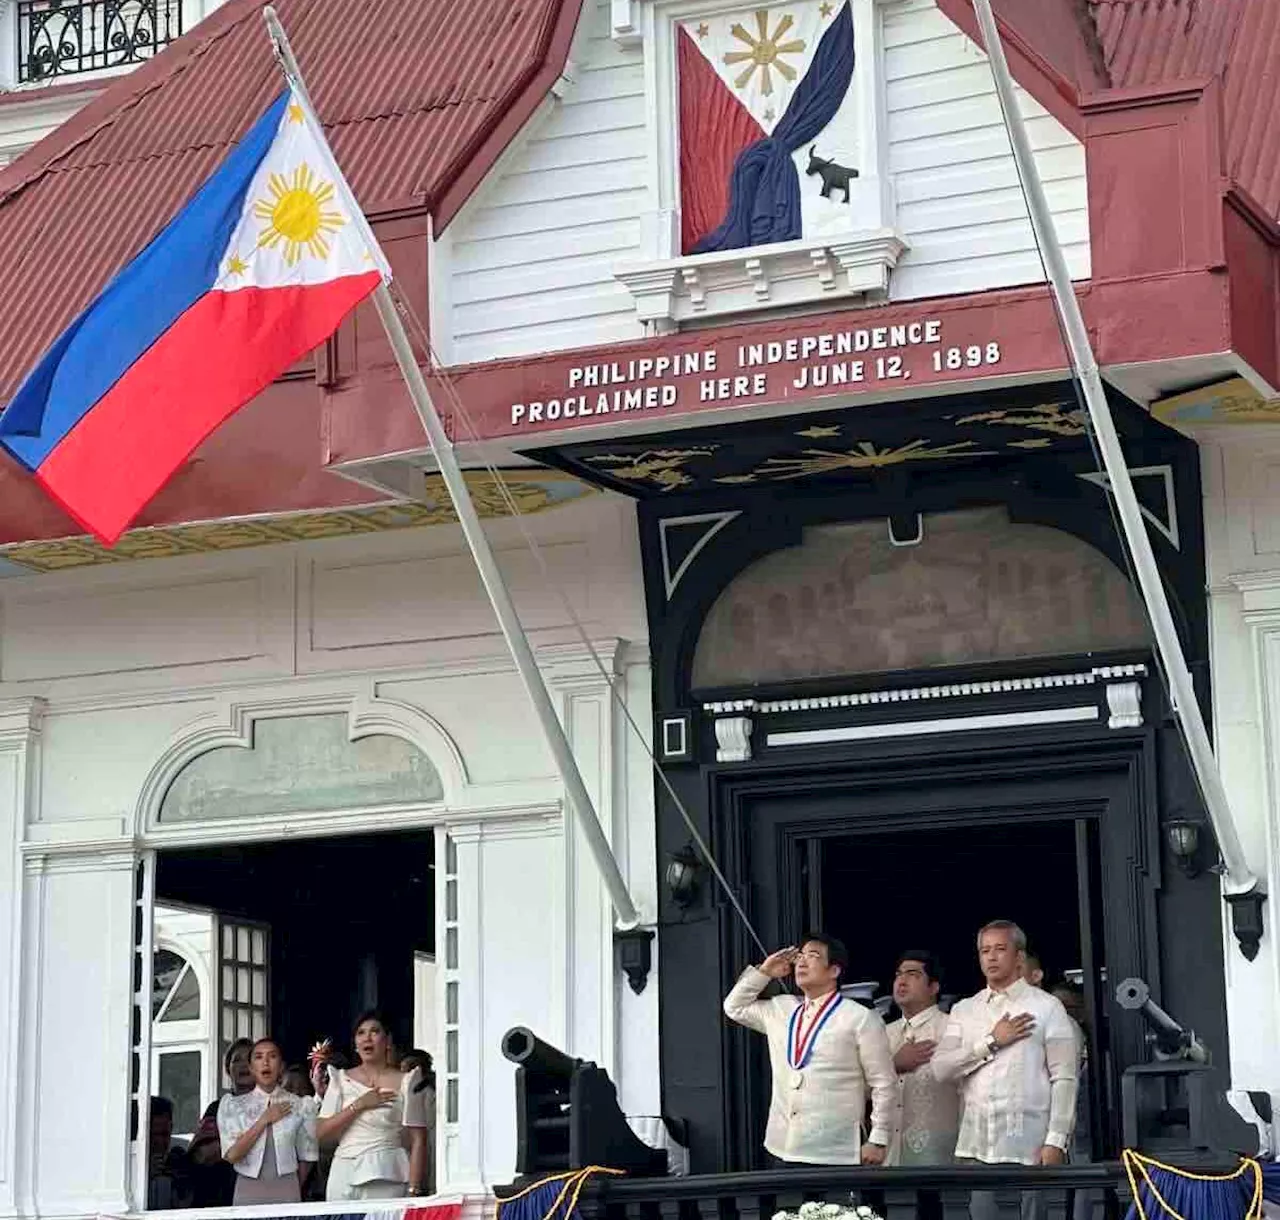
column 802, row 1037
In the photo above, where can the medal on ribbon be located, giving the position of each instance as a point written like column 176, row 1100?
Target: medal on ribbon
column 802, row 1038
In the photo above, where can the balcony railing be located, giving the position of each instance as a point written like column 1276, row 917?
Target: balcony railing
column 1099, row 1192
column 61, row 38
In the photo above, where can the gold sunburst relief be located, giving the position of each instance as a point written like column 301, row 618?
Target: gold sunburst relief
column 863, row 456
column 765, row 51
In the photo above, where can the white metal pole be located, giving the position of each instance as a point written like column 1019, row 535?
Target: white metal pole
column 499, row 596
column 1239, row 878
column 496, row 587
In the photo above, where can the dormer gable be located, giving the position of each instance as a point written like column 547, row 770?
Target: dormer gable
column 670, row 183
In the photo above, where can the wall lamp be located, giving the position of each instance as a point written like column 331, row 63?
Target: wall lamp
column 683, row 876
column 1183, row 838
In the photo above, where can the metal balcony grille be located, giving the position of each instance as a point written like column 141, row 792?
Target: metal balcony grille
column 60, row 38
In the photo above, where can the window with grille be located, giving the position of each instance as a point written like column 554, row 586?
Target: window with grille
column 175, row 990
column 244, row 1005
column 451, row 974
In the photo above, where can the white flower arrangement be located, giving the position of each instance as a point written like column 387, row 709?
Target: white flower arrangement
column 830, row 1211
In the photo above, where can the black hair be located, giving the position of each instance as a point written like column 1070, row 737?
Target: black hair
column 266, row 1042
column 371, row 1014
column 237, row 1045
column 161, row 1107
column 837, row 954
column 932, row 968
column 416, row 1054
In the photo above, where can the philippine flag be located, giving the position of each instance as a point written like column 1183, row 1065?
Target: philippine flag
column 258, row 269
column 762, row 91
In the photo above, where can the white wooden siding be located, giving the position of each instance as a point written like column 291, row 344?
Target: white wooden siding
column 27, row 118
column 959, row 203
column 529, row 262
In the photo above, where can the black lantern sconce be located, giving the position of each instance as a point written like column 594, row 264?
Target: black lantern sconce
column 683, row 876
column 1183, row 838
column 634, row 948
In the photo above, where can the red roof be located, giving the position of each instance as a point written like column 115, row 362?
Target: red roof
column 1160, row 42
column 1076, row 50
column 418, row 98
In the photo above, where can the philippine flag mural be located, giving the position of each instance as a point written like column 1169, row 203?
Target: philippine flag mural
column 767, row 150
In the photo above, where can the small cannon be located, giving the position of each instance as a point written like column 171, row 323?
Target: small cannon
column 567, row 1114
column 1176, row 1106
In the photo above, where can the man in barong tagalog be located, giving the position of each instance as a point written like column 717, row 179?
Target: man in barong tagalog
column 826, row 1053
column 929, row 1114
column 1012, row 1051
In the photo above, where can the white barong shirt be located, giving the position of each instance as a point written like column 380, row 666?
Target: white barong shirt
column 1021, row 1097
column 816, row 1114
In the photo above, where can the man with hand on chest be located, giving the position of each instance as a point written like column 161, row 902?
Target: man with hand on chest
column 929, row 1114
column 826, row 1054
column 1012, row 1051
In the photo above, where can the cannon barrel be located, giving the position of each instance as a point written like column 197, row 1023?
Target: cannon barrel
column 1169, row 1037
column 567, row 1114
column 524, row 1048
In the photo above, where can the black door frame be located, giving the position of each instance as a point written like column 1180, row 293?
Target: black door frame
column 1108, row 781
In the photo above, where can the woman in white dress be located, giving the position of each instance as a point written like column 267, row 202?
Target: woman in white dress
column 268, row 1136
column 369, row 1110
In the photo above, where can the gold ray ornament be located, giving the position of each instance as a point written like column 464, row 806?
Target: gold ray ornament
column 765, row 51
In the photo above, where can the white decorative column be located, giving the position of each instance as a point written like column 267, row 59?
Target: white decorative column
column 586, row 709
column 606, row 1020
column 75, row 1154
column 19, row 771
column 503, row 951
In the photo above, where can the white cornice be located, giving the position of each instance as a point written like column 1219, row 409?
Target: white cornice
column 952, row 690
column 671, row 291
column 92, row 846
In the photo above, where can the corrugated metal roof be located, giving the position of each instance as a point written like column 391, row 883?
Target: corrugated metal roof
column 407, row 89
column 1150, row 42
column 1158, row 42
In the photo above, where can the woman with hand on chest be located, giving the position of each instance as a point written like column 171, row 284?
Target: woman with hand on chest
column 372, row 1111
column 268, row 1135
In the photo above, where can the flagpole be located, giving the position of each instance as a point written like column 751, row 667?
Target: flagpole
column 500, row 598
column 1239, row 879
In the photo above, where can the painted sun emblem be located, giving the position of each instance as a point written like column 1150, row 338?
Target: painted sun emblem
column 766, row 51
column 299, row 215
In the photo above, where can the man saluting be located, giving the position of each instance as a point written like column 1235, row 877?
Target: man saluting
column 826, row 1052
